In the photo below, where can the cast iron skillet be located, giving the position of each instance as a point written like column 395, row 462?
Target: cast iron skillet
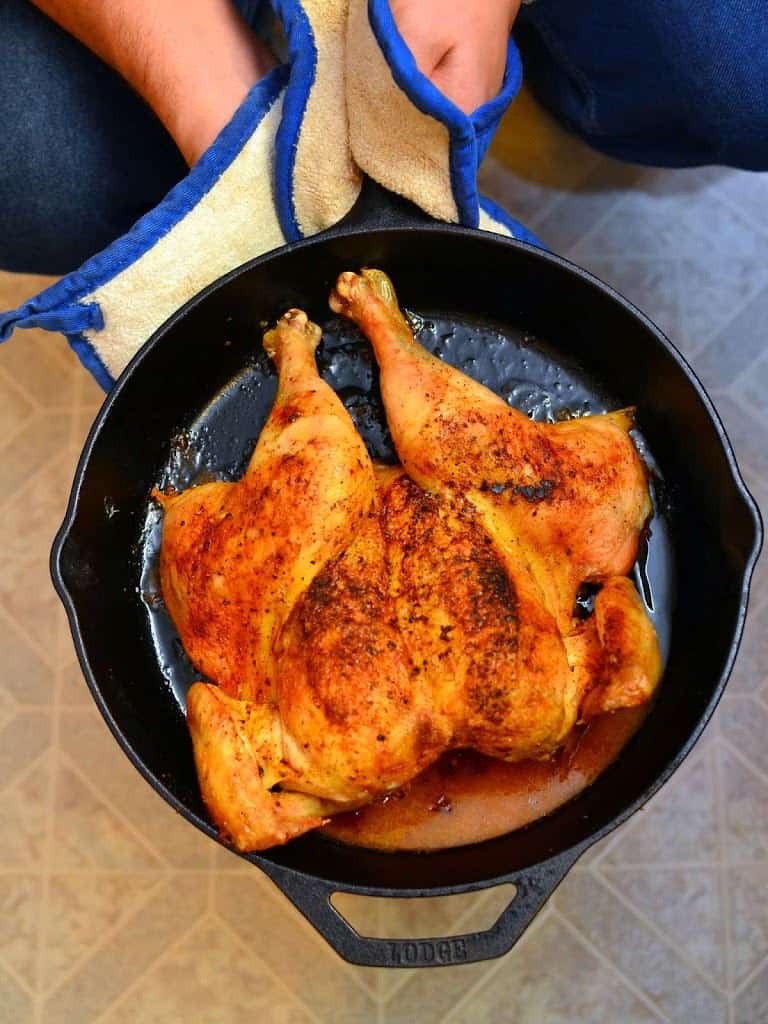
column 454, row 273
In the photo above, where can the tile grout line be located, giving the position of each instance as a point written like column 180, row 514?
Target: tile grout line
column 28, row 639
column 13, row 436
column 668, row 940
column 23, row 984
column 733, row 988
column 613, row 839
column 25, row 490
column 726, row 199
column 211, row 885
column 759, row 360
column 745, row 762
column 750, row 976
column 711, row 337
column 222, row 922
column 21, row 389
column 27, row 771
column 136, row 833
column 30, row 481
column 152, row 965
column 102, row 940
column 594, row 228
column 613, row 968
column 61, row 640
column 43, row 923
column 309, row 929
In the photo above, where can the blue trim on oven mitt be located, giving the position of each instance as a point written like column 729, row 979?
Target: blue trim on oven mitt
column 316, row 180
column 302, row 58
column 62, row 308
column 470, row 135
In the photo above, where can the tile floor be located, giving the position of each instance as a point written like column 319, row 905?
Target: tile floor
column 114, row 910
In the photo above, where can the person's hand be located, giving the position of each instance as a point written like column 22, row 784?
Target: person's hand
column 461, row 46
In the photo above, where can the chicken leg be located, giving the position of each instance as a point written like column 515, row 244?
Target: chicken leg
column 568, row 500
column 236, row 557
column 278, row 587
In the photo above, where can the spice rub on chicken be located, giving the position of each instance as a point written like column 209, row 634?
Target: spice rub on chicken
column 356, row 621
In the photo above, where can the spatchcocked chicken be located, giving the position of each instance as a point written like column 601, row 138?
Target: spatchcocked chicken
column 355, row 621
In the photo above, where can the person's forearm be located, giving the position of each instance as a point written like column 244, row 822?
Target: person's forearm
column 193, row 62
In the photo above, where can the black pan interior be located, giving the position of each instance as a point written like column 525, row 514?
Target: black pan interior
column 195, row 400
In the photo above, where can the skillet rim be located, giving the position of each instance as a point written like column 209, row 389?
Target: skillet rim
column 264, row 859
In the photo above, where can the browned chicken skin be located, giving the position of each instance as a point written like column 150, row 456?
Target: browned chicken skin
column 357, row 621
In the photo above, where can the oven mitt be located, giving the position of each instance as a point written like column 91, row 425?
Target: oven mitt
column 411, row 138
column 288, row 165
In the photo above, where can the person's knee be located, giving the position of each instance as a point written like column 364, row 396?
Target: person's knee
column 81, row 157
column 665, row 82
column 728, row 105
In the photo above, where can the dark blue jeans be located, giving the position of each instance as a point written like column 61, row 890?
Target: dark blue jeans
column 663, row 82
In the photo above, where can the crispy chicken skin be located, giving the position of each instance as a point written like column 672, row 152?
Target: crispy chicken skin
column 356, row 621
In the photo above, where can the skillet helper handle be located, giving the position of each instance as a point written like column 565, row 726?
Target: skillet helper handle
column 377, row 207
column 313, row 898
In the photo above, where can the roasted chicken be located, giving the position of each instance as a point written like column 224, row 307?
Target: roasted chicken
column 356, row 621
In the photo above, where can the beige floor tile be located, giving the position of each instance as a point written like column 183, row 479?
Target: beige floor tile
column 748, row 918
column 36, row 511
column 43, row 366
column 22, row 741
column 751, row 671
column 430, row 995
column 293, row 951
column 552, row 977
column 654, row 836
column 174, row 843
column 751, row 1002
column 31, row 448
column 683, row 903
column 91, row 832
column 82, row 909
column 74, row 689
column 745, row 796
column 125, row 955
column 16, row 1005
column 24, row 807
column 745, row 431
column 29, row 600
column 26, row 677
column 20, row 898
column 15, row 408
column 649, row 962
column 186, row 985
column 734, row 350
column 744, row 725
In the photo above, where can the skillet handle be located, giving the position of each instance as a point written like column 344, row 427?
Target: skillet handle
column 377, row 207
column 313, row 898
